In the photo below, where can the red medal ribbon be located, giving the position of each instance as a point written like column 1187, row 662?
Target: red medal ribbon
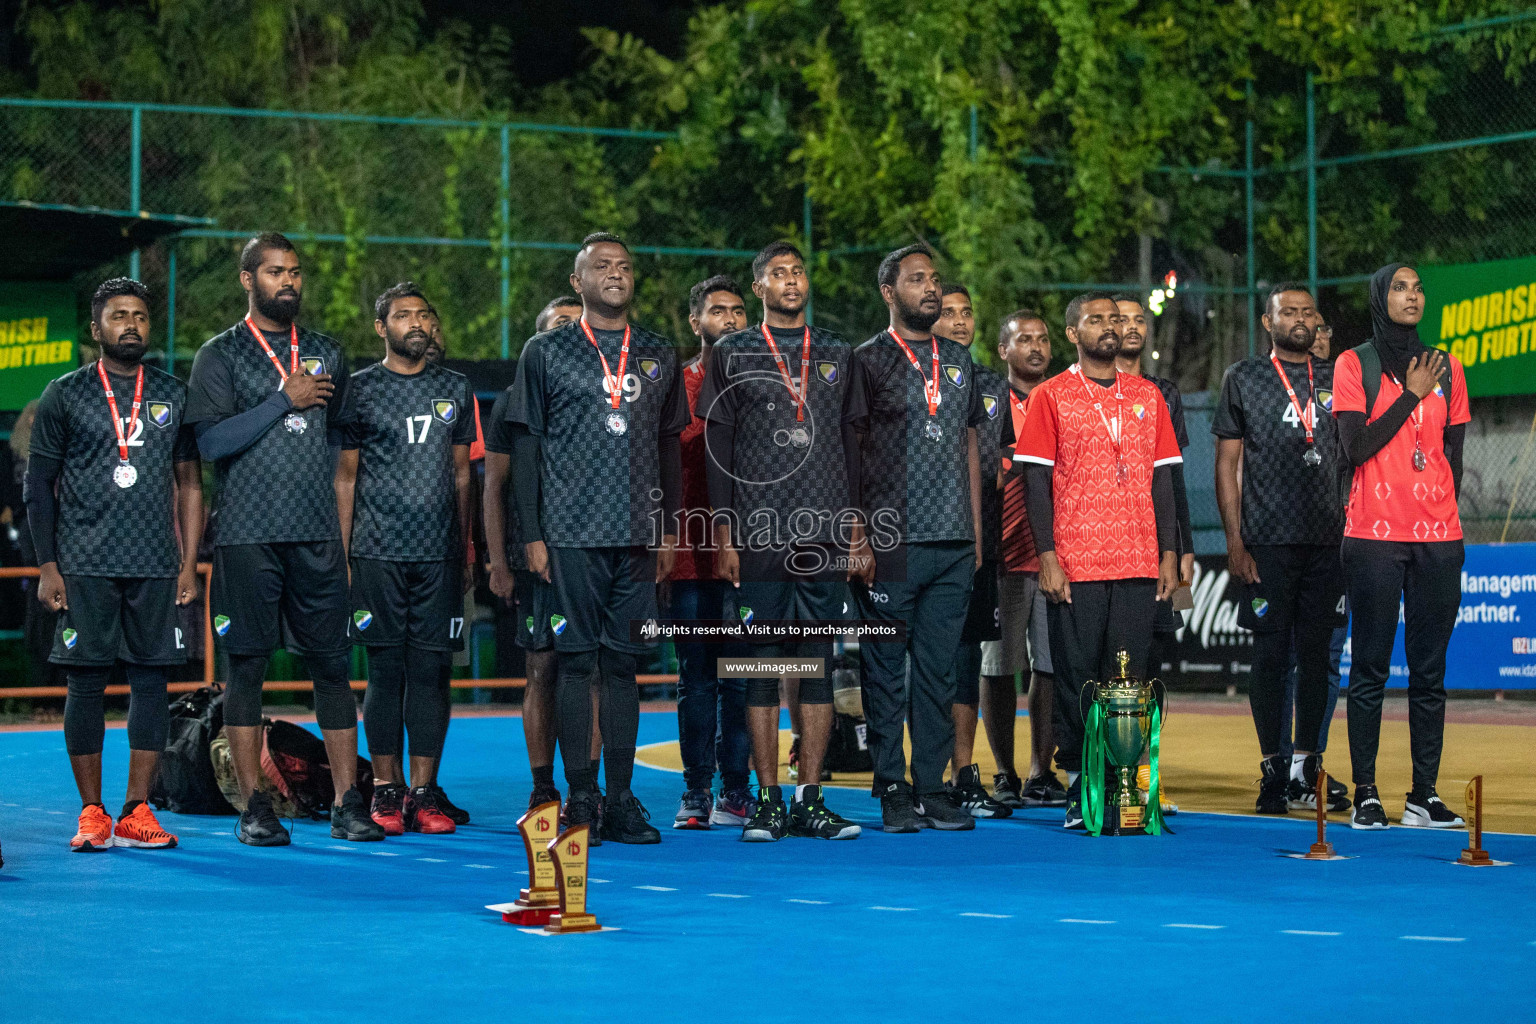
column 1290, row 393
column 133, row 417
column 293, row 348
column 615, row 382
column 930, row 389
column 1115, row 436
column 805, row 367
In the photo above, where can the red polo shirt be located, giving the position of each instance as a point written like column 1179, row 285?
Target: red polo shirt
column 1018, row 542
column 693, row 564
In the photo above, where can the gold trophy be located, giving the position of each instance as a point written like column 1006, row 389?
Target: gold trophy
column 1120, row 725
column 569, row 851
column 537, row 903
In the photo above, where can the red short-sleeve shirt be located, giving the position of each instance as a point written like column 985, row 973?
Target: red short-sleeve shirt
column 692, row 562
column 1389, row 499
column 1103, row 530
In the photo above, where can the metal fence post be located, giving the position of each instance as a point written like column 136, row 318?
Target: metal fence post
column 805, row 213
column 1311, row 190
column 975, row 133
column 1248, row 202
column 506, row 241
column 170, row 309
column 135, row 153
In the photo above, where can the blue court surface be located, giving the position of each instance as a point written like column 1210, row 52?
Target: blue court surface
column 1017, row 920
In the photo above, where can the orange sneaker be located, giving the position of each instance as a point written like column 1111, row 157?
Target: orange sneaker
column 142, row 831
column 95, row 832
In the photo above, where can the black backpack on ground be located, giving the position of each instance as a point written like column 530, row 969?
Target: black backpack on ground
column 298, row 758
column 186, row 783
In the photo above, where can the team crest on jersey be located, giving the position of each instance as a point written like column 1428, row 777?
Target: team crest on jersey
column 827, row 372
column 1439, row 391
column 956, row 375
column 1140, row 411
column 746, row 614
column 362, row 619
column 1325, row 399
column 989, row 403
column 445, row 409
column 557, row 623
column 1260, row 606
column 314, row 364
column 70, row 638
column 160, row 413
column 651, row 368
column 221, row 624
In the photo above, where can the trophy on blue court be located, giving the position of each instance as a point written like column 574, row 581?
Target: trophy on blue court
column 1124, row 722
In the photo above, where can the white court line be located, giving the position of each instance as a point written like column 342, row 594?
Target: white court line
column 60, row 813
column 1432, row 938
column 996, row 917
column 824, row 903
column 598, row 881
column 432, row 860
column 383, row 853
column 889, row 908
column 1199, row 927
column 349, row 849
column 728, row 896
column 486, row 866
column 656, row 888
column 1303, row 931
column 1080, row 920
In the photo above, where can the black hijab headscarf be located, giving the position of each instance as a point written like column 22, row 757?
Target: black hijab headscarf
column 1396, row 343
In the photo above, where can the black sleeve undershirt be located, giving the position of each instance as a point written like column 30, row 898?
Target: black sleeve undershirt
column 1455, row 441
column 853, row 462
column 1362, row 440
column 1186, row 543
column 721, row 445
column 42, row 506
column 524, row 478
column 670, row 451
column 220, row 439
column 1163, row 508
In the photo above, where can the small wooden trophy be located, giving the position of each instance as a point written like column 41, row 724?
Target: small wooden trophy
column 537, row 903
column 569, row 851
column 1322, row 849
column 1474, row 855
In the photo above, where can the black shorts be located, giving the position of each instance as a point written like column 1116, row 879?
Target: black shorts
column 531, row 598
column 809, row 586
column 984, row 617
column 294, row 593
column 415, row 603
column 595, row 593
column 109, row 619
column 1294, row 580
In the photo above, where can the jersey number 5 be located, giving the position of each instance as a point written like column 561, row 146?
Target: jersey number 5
column 413, row 435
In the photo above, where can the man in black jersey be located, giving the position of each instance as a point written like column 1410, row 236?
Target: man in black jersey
column 1284, row 524
column 915, row 406
column 957, row 322
column 261, row 399
column 597, row 408
column 527, row 592
column 773, row 399
column 110, row 436
column 402, row 491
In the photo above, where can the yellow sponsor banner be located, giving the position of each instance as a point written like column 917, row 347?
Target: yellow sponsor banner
column 1485, row 315
column 37, row 339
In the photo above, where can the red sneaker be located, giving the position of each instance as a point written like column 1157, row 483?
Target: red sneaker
column 388, row 810
column 423, row 815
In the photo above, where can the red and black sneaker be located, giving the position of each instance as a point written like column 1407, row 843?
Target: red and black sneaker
column 423, row 815
column 388, row 810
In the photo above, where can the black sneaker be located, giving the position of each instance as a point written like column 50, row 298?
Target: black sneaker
column 694, row 810
column 1338, row 794
column 1074, row 818
column 809, row 816
column 625, row 820
column 584, row 807
column 1426, row 810
column 259, row 826
column 1008, row 790
column 1044, row 791
column 351, row 821
column 1369, row 814
column 1275, row 786
column 455, row 814
column 542, row 795
column 896, row 809
column 935, row 810
column 1303, row 791
column 969, row 796
column 769, row 820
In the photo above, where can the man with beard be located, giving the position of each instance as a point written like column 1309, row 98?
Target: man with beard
column 957, row 322
column 916, row 409
column 110, row 435
column 1284, row 523
column 1024, row 343
column 711, row 712
column 773, row 398
column 402, row 493
column 260, row 401
column 1097, row 448
column 597, row 408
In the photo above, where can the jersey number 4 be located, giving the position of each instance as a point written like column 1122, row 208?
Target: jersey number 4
column 416, row 428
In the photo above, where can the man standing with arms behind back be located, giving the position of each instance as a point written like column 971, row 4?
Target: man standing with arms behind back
column 261, row 399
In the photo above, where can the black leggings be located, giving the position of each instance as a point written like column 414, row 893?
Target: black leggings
column 335, row 707
column 618, row 715
column 407, row 692
column 149, row 716
column 1426, row 578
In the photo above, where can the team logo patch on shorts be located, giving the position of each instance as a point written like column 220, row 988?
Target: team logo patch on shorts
column 70, row 638
column 1260, row 606
column 160, row 413
column 528, row 624
column 314, row 364
column 956, row 375
column 1325, row 399
column 827, row 372
column 651, row 368
column 557, row 623
column 221, row 624
column 362, row 619
column 746, row 614
column 989, row 403
column 445, row 409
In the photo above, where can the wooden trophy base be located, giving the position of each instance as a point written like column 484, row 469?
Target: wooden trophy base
column 1321, row 851
column 1475, row 858
column 560, row 924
